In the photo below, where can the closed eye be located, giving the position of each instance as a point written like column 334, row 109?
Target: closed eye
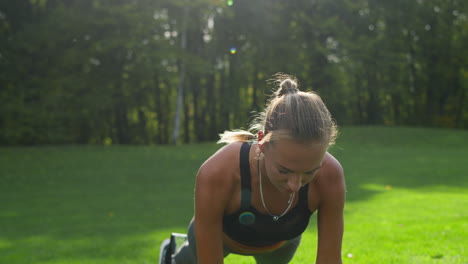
column 312, row 172
column 309, row 173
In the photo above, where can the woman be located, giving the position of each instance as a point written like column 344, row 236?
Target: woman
column 256, row 194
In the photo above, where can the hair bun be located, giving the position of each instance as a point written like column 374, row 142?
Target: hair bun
column 287, row 86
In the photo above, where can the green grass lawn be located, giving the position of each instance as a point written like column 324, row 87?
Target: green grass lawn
column 407, row 199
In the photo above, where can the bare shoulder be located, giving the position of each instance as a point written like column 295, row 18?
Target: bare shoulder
column 332, row 167
column 221, row 163
column 331, row 180
column 215, row 184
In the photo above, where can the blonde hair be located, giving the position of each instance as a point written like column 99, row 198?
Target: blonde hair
column 289, row 114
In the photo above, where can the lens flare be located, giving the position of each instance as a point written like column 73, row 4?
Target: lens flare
column 230, row 2
column 247, row 218
column 233, row 50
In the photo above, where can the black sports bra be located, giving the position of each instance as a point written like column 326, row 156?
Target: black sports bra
column 249, row 227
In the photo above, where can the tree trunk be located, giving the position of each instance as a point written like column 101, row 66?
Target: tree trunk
column 212, row 101
column 182, row 72
column 187, row 117
column 372, row 107
column 224, row 104
column 198, row 120
column 142, row 126
column 159, row 110
column 121, row 122
column 255, row 84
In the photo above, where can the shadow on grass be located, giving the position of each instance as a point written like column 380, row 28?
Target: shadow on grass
column 410, row 158
column 120, row 202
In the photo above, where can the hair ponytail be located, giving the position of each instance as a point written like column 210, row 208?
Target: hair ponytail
column 287, row 86
column 289, row 114
column 236, row 135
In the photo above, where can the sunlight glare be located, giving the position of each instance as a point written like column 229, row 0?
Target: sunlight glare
column 233, row 50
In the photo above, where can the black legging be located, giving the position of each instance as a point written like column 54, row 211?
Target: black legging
column 283, row 255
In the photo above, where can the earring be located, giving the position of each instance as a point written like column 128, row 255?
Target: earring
column 260, row 135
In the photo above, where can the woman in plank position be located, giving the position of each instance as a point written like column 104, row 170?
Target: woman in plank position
column 255, row 195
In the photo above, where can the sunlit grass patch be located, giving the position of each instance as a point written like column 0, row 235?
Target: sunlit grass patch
column 405, row 225
column 406, row 200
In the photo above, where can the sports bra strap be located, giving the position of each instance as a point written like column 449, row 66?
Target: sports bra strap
column 303, row 193
column 246, row 193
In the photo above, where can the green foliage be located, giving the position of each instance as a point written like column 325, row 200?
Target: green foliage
column 91, row 71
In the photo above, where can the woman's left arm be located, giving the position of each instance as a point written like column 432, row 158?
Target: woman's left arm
column 332, row 191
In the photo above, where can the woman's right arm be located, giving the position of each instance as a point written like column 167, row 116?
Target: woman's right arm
column 212, row 193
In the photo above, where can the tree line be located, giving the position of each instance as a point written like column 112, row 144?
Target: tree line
column 155, row 71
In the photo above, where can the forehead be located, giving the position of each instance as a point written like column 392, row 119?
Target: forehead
column 296, row 155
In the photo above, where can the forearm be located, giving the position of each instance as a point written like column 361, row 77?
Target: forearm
column 209, row 251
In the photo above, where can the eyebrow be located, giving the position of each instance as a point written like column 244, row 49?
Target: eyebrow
column 283, row 167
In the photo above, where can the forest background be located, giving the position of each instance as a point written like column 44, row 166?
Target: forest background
column 140, row 71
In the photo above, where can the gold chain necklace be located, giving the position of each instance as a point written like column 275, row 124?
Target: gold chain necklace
column 291, row 196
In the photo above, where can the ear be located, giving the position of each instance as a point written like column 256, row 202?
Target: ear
column 260, row 147
column 260, row 136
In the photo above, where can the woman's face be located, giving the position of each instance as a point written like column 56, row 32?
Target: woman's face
column 290, row 165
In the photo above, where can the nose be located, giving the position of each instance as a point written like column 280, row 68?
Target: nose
column 294, row 182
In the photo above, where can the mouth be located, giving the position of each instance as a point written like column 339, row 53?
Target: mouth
column 289, row 191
